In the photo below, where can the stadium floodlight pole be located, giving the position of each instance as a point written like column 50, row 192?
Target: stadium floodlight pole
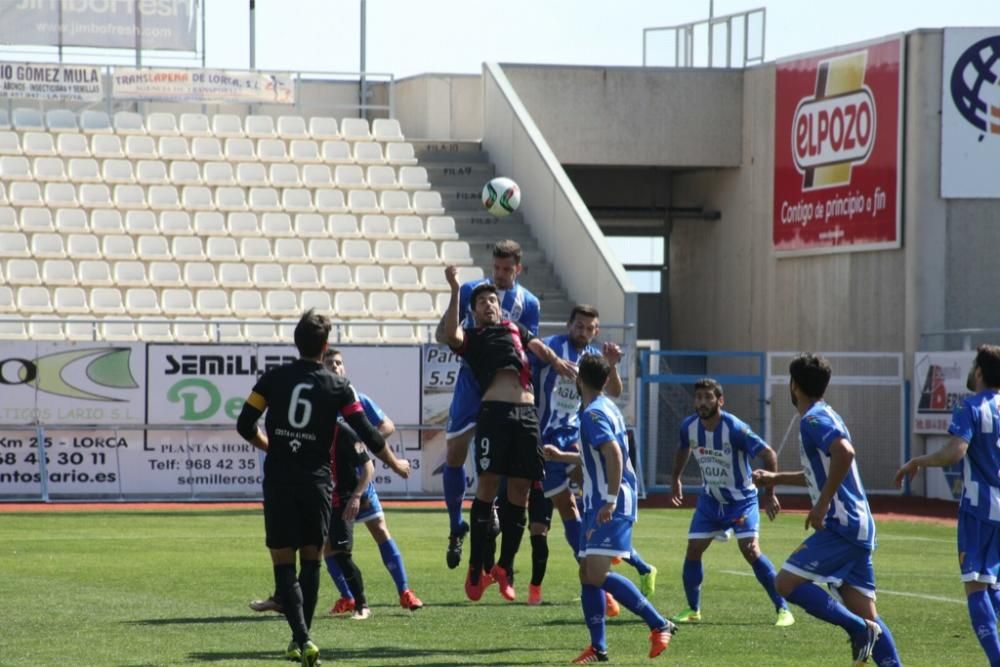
column 253, row 36
column 364, row 79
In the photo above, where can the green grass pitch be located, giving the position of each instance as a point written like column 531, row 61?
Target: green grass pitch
column 140, row 588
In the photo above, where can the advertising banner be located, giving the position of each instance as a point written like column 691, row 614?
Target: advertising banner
column 938, row 386
column 970, row 113
column 49, row 81
column 108, row 24
column 837, row 142
column 203, row 86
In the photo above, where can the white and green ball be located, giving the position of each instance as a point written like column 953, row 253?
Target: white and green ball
column 501, row 196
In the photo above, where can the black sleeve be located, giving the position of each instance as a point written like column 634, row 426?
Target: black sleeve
column 246, row 423
column 349, row 446
column 368, row 433
column 526, row 335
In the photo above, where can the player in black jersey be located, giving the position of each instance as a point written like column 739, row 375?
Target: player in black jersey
column 303, row 400
column 507, row 441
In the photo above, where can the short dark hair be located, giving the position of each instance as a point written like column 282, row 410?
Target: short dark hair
column 311, row 333
column 593, row 370
column 479, row 289
column 507, row 249
column 331, row 352
column 711, row 384
column 811, row 373
column 988, row 363
column 582, row 309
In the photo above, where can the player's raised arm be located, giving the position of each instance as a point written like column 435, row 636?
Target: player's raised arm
column 449, row 332
column 613, row 354
column 548, row 356
column 948, row 455
column 765, row 479
column 246, row 423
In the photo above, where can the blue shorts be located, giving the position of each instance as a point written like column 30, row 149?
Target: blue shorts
column 826, row 557
column 464, row 404
column 557, row 474
column 712, row 518
column 613, row 539
column 978, row 549
column 372, row 510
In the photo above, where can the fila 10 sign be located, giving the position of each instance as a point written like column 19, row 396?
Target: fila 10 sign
column 837, row 127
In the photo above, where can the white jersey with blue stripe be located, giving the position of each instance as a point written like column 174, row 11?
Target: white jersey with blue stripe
column 724, row 455
column 849, row 514
column 516, row 304
column 556, row 397
column 977, row 421
column 602, row 422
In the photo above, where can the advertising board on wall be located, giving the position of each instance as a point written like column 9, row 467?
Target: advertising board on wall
column 939, row 384
column 970, row 113
column 107, row 24
column 837, row 143
column 207, row 86
column 51, row 81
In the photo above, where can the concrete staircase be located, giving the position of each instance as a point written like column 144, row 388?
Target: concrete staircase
column 458, row 170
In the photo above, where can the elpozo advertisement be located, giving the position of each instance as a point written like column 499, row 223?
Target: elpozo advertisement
column 205, row 86
column 939, row 384
column 107, row 24
column 50, row 81
column 970, row 113
column 837, row 142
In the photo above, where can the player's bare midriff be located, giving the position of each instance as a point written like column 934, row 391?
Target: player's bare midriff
column 506, row 387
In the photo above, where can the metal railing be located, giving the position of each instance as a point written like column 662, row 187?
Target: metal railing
column 964, row 335
column 736, row 32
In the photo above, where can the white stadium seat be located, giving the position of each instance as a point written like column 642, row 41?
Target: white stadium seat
column 400, row 334
column 218, row 174
column 140, row 148
column 70, row 301
column 370, row 277
column 93, row 273
column 117, row 172
column 8, row 219
column 176, row 223
column 247, row 303
column 195, row 125
column 321, row 128
column 197, row 198
column 259, row 127
column 151, row 172
column 355, row 251
column 200, row 275
column 230, row 199
column 34, row 300
column 161, row 124
column 365, row 201
column 322, row 251
column 9, row 143
column 303, row 277
column 95, row 122
column 59, row 195
column 304, row 150
column 227, row 125
column 129, row 122
column 7, row 302
column 284, row 176
column 310, row 225
column 59, row 272
column 403, row 278
column 83, row 246
column 177, row 302
column 49, row 169
column 290, row 251
column 56, row 120
column 395, row 202
column 130, row 274
column 212, row 303
column 376, row 227
column 384, row 305
column 419, row 305
column 173, row 148
column 264, row 199
column 155, row 330
column 256, row 250
column 23, row 272
column 106, row 146
column 317, row 176
column 349, row 304
column 344, row 226
column 276, row 224
column 333, row 152
column 204, row 149
column 368, row 152
column 441, row 228
column 318, row 300
column 117, row 247
column 233, row 275
column 190, row 332
column 185, row 173
column 269, row 276
column 252, row 174
column 141, row 222
column 433, row 279
column 44, row 330
column 408, row 228
column 423, row 253
column 355, row 129
column 456, row 252
column 153, row 248
column 368, row 334
column 337, row 277
column 187, row 249
column 129, row 196
column 387, row 129
column 71, row 221
column 23, row 193
column 72, row 145
column 400, row 154
column 48, row 246
column 164, row 198
column 427, row 203
column 282, row 303
column 330, row 201
column 84, row 170
column 413, row 178
column 36, row 220
column 210, row 223
column 38, row 144
column 292, row 127
column 272, row 150
column 243, row 224
column 15, row 168
column 141, row 301
column 297, row 200
column 390, row 252
column 349, row 177
column 105, row 221
column 260, row 333
column 14, row 244
column 382, row 178
column 165, row 274
column 106, row 301
column 240, row 150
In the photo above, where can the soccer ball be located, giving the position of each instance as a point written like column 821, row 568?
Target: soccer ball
column 501, row 196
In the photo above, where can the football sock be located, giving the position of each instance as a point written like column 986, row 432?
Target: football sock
column 453, row 481
column 994, row 594
column 592, row 601
column 572, row 528
column 539, row 558
column 309, row 585
column 338, row 577
column 884, row 654
column 353, row 576
column 984, row 625
column 636, row 561
column 291, row 598
column 481, row 516
column 693, row 574
column 393, row 561
column 512, row 522
column 764, row 571
column 818, row 603
column 628, row 595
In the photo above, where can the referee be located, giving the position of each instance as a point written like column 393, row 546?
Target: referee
column 303, row 400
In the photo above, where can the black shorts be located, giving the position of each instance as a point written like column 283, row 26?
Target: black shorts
column 508, row 442
column 341, row 532
column 296, row 515
column 539, row 507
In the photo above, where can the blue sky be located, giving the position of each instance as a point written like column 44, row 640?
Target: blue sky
column 407, row 37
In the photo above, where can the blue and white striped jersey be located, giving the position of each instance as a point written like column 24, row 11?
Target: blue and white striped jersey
column 602, row 422
column 849, row 514
column 556, row 397
column 516, row 304
column 977, row 421
column 724, row 456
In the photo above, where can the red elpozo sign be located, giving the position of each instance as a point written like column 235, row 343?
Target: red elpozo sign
column 837, row 127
